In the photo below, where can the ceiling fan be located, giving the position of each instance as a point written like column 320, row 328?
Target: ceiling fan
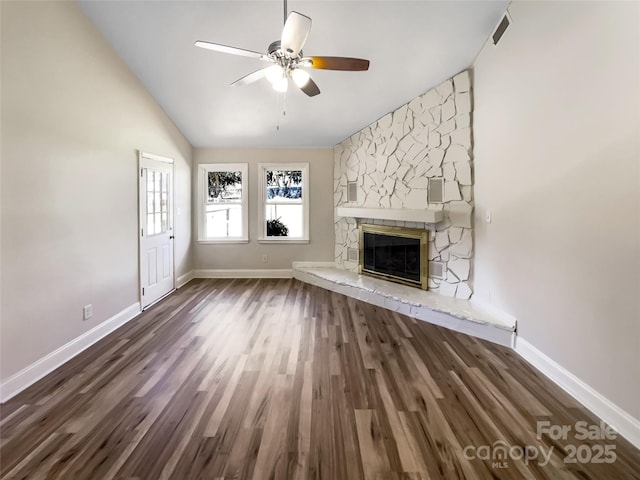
column 287, row 59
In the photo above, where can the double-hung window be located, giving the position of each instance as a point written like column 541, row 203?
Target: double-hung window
column 284, row 194
column 222, row 203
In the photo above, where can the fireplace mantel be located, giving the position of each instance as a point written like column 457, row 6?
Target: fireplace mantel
column 428, row 215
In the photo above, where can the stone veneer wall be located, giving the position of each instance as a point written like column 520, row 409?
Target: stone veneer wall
column 392, row 159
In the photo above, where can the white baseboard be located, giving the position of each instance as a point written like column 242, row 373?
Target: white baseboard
column 243, row 273
column 34, row 372
column 621, row 421
column 182, row 280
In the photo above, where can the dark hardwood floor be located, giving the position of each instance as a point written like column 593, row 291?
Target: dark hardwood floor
column 274, row 379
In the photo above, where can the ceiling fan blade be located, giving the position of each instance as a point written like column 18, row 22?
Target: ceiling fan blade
column 251, row 77
column 336, row 63
column 294, row 34
column 232, row 50
column 310, row 88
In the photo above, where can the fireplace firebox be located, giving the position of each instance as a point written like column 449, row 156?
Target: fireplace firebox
column 397, row 254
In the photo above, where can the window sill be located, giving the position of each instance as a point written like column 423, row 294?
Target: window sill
column 219, row 241
column 281, row 240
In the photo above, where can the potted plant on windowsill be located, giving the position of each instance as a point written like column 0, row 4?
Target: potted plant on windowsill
column 275, row 228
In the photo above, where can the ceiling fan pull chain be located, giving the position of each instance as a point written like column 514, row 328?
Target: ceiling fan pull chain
column 282, row 95
column 278, row 112
column 285, row 11
column 284, row 104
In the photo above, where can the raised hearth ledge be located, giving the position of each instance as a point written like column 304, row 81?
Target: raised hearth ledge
column 428, row 215
column 453, row 313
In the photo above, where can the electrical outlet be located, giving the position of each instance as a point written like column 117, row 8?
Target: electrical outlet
column 87, row 312
column 265, row 258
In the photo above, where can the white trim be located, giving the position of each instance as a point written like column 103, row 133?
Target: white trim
column 152, row 156
column 182, row 280
column 243, row 273
column 622, row 422
column 231, row 241
column 282, row 240
column 38, row 369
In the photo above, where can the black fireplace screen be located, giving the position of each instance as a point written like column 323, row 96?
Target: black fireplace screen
column 392, row 255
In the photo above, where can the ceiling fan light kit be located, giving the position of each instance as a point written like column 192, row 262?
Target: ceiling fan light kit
column 287, row 58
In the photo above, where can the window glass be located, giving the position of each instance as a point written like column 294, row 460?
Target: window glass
column 223, row 207
column 284, row 207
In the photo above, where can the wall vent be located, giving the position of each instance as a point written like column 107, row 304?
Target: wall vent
column 436, row 190
column 436, row 269
column 352, row 192
column 352, row 254
column 501, row 28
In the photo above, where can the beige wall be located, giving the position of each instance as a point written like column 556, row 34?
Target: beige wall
column 73, row 117
column 249, row 256
column 557, row 160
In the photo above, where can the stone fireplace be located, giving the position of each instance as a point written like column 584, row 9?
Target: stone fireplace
column 415, row 160
column 394, row 253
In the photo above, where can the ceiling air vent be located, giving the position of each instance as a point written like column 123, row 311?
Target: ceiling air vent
column 501, row 28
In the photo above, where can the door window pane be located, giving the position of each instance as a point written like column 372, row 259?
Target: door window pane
column 157, row 202
column 150, row 224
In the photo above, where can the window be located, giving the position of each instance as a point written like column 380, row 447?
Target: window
column 284, row 203
column 157, row 202
column 222, row 203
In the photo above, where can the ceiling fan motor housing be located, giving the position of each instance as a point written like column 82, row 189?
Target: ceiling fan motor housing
column 274, row 47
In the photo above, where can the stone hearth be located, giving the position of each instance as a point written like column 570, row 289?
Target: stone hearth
column 453, row 313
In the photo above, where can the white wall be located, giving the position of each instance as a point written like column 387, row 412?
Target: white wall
column 249, row 255
column 557, row 161
column 73, row 117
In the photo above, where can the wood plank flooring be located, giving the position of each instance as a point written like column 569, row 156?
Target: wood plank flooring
column 276, row 379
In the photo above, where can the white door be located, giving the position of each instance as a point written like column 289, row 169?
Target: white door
column 156, row 227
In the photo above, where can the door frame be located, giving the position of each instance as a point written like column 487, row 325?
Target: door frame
column 141, row 203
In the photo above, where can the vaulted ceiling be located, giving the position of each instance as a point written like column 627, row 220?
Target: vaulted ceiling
column 412, row 46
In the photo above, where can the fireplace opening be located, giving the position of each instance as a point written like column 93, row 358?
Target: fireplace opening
column 394, row 253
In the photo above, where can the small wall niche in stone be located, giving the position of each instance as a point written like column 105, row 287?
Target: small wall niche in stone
column 352, row 191
column 436, row 190
column 436, row 269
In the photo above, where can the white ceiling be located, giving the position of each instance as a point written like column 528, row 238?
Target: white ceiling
column 412, row 46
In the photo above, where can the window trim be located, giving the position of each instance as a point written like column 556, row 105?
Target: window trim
column 262, row 178
column 203, row 170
